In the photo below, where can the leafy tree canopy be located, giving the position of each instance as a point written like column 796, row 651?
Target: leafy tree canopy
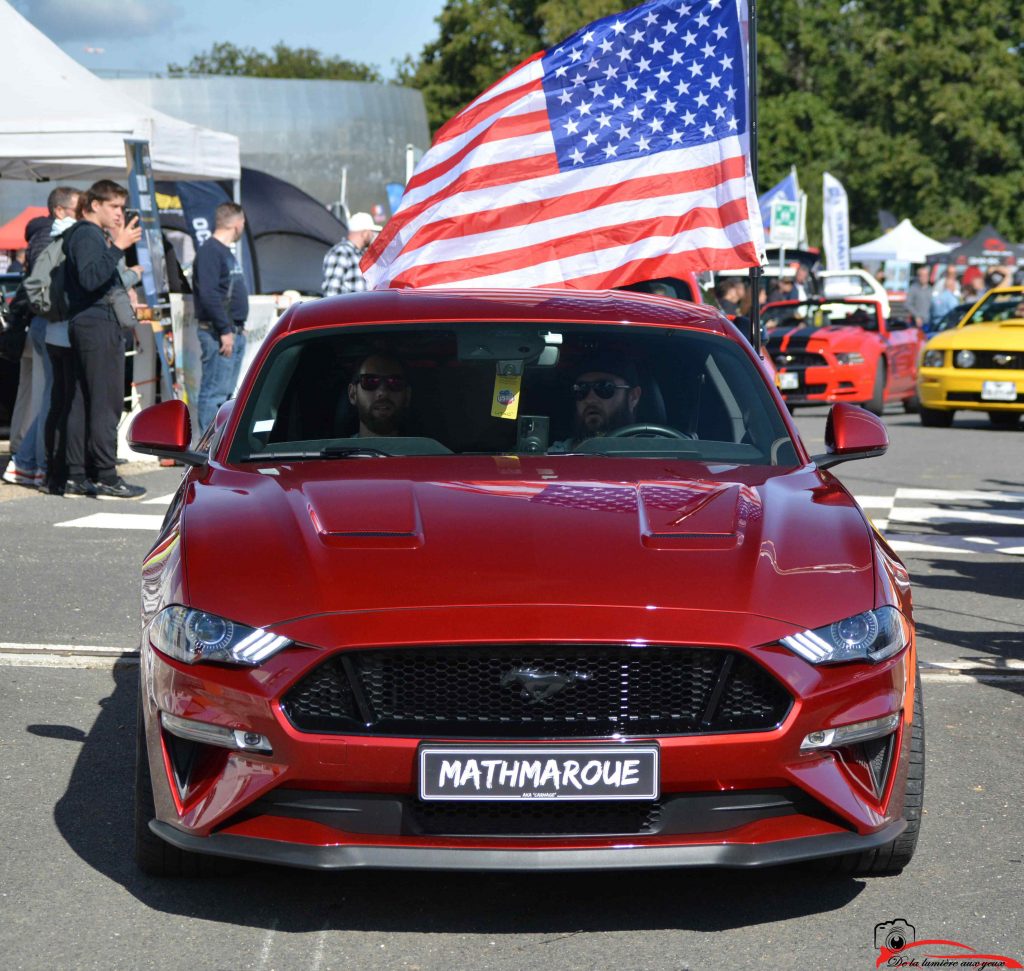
column 282, row 62
column 917, row 107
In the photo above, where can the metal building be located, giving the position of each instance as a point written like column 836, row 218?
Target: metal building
column 305, row 132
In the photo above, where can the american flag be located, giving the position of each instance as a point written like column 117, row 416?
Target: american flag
column 617, row 156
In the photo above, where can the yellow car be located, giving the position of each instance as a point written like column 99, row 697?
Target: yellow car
column 977, row 365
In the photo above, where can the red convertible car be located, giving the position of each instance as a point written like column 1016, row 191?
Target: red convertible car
column 520, row 579
column 843, row 350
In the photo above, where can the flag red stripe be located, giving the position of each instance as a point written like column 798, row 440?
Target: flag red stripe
column 671, row 264
column 523, row 214
column 503, row 261
column 510, row 127
column 483, row 177
column 477, row 113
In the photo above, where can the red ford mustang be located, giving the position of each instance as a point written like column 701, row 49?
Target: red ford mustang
column 843, row 350
column 498, row 580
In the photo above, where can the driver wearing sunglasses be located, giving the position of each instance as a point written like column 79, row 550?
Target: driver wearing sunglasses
column 380, row 392
column 606, row 393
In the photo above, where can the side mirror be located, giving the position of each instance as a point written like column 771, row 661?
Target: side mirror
column 851, row 432
column 165, row 430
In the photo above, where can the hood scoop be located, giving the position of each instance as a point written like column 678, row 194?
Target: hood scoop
column 365, row 515
column 695, row 515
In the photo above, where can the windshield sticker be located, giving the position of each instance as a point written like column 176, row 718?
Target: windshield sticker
column 505, row 403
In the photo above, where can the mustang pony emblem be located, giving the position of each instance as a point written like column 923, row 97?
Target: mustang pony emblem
column 537, row 685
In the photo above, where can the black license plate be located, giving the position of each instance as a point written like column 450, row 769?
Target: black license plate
column 560, row 772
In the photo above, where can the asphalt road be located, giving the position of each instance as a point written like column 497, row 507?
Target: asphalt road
column 71, row 898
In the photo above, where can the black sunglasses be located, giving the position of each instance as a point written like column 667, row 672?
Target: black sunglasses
column 393, row 382
column 604, row 388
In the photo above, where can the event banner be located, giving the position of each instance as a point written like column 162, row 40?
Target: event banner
column 142, row 198
column 835, row 228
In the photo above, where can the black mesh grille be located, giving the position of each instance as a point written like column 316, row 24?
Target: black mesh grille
column 531, row 819
column 537, row 692
column 799, row 359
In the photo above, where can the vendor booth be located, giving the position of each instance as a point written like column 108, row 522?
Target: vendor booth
column 67, row 124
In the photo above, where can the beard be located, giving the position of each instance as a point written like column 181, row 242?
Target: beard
column 593, row 423
column 382, row 417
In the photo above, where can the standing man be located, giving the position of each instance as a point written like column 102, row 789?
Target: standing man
column 221, row 307
column 341, row 264
column 919, row 297
column 95, row 247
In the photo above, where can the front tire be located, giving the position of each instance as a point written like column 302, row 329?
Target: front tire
column 1004, row 419
column 934, row 418
column 876, row 404
column 890, row 859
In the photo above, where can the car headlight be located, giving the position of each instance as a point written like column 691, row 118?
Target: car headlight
column 933, row 359
column 194, row 635
column 965, row 358
column 851, row 357
column 871, row 636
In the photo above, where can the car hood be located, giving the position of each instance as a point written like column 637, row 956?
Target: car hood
column 1003, row 335
column 268, row 546
column 835, row 335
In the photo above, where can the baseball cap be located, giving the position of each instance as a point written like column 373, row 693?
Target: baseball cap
column 609, row 364
column 361, row 221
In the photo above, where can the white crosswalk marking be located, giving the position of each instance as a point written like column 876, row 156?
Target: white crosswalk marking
column 948, row 513
column 116, row 520
column 929, row 514
column 159, row 500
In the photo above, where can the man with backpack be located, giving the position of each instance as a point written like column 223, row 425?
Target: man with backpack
column 28, row 465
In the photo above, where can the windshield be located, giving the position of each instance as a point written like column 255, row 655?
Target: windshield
column 814, row 314
column 998, row 306
column 415, row 389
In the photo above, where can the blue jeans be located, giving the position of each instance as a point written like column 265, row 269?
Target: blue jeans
column 220, row 375
column 31, row 454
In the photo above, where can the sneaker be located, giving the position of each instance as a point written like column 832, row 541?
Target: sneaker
column 118, row 489
column 16, row 476
column 79, row 487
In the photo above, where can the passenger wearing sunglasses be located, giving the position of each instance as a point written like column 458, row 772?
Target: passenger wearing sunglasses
column 380, row 392
column 606, row 393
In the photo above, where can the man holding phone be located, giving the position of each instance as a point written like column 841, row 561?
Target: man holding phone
column 221, row 307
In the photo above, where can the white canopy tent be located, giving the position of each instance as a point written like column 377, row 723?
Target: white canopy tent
column 66, row 123
column 905, row 242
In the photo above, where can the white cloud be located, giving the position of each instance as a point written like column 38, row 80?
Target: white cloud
column 94, row 20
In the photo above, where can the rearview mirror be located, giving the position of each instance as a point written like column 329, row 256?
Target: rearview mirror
column 851, row 432
column 165, row 430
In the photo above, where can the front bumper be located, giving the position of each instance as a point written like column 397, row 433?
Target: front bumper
column 829, row 383
column 224, row 810
column 368, row 856
column 949, row 389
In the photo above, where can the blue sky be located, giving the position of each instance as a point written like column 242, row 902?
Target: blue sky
column 146, row 35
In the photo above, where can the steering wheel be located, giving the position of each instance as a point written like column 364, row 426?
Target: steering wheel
column 645, row 428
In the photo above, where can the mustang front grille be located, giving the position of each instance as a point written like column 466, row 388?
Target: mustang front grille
column 484, row 691
column 799, row 359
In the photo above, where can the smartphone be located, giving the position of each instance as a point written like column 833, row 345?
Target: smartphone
column 130, row 214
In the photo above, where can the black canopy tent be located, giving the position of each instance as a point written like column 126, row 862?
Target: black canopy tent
column 985, row 248
column 289, row 232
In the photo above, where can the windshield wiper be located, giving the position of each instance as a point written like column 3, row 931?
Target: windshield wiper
column 329, row 452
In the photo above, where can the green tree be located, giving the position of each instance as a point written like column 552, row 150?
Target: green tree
column 917, row 107
column 282, row 62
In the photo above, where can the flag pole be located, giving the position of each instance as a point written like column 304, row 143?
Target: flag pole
column 755, row 271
